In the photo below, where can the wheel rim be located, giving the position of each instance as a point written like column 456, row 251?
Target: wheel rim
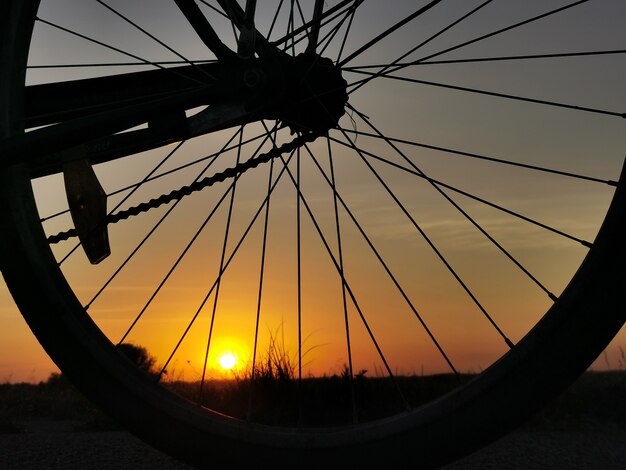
column 394, row 143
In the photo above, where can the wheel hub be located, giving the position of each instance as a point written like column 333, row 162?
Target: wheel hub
column 312, row 94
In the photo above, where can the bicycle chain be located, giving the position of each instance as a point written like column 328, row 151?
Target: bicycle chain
column 196, row 186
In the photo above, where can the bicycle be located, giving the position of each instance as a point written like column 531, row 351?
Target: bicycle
column 323, row 196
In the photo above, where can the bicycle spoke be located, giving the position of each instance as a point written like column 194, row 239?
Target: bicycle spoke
column 559, row 55
column 151, row 36
column 483, row 37
column 384, row 265
column 226, row 264
column 348, row 12
column 185, row 250
column 343, row 280
column 152, row 177
column 214, row 9
column 346, row 34
column 107, row 46
column 185, row 166
column 261, row 278
column 389, row 31
column 301, row 14
column 506, row 29
column 316, row 20
column 122, row 64
column 299, row 201
column 232, row 192
column 326, row 15
column 274, row 18
column 494, row 94
column 290, row 28
column 461, row 210
column 332, row 33
column 487, row 158
column 247, row 35
column 432, row 245
column 425, row 42
column 175, row 265
column 198, row 178
column 124, row 199
column 202, row 27
column 347, row 285
column 237, row 16
column 469, row 195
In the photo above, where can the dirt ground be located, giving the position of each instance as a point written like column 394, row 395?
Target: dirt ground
column 556, row 450
column 111, row 450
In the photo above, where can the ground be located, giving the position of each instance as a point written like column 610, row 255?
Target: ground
column 584, row 429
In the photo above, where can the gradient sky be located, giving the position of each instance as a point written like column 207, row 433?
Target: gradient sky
column 586, row 143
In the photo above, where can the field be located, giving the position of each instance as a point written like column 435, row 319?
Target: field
column 584, row 428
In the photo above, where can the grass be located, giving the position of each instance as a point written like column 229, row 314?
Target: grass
column 272, row 393
column 315, row 401
column 596, row 400
column 54, row 400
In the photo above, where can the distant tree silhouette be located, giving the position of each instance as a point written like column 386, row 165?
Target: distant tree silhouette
column 56, row 379
column 139, row 356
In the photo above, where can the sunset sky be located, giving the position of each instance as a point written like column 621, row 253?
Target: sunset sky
column 417, row 117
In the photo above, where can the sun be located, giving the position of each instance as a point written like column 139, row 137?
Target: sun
column 228, row 355
column 227, row 360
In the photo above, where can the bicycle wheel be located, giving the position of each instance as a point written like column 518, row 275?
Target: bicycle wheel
column 391, row 217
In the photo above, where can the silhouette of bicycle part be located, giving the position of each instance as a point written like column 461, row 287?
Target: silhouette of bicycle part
column 417, row 208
